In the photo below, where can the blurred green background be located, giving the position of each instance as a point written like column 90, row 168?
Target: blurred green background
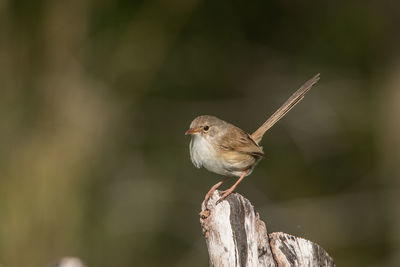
column 96, row 97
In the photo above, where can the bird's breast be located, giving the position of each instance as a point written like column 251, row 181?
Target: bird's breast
column 204, row 154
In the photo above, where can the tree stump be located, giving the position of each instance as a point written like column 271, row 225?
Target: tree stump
column 236, row 236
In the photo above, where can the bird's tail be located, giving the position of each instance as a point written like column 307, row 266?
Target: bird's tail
column 285, row 108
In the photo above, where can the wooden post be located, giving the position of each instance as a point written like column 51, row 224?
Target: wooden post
column 236, row 236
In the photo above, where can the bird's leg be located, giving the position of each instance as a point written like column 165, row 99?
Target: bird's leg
column 230, row 190
column 214, row 187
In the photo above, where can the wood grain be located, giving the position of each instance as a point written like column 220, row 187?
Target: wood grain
column 236, row 236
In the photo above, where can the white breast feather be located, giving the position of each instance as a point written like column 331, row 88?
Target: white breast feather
column 204, row 155
column 200, row 151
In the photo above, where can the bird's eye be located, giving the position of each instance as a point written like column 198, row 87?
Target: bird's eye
column 206, row 128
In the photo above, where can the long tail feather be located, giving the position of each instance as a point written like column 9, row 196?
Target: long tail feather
column 285, row 108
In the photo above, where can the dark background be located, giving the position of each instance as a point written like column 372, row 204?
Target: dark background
column 96, row 97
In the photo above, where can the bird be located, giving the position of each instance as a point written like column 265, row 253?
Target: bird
column 225, row 149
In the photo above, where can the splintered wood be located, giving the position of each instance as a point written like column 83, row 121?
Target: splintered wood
column 236, row 236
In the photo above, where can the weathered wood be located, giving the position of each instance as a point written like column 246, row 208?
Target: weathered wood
column 236, row 236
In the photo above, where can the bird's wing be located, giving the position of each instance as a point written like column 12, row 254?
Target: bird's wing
column 241, row 142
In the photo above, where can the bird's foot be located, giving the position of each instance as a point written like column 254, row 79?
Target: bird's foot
column 208, row 195
column 213, row 188
column 225, row 194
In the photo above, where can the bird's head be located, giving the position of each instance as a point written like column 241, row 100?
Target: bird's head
column 205, row 126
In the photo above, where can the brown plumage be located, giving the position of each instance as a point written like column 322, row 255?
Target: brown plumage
column 227, row 150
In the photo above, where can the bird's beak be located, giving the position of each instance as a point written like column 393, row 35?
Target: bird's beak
column 192, row 131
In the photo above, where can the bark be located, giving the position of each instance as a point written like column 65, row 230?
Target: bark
column 236, row 236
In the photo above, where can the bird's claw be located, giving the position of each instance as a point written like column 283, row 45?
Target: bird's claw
column 207, row 197
column 225, row 194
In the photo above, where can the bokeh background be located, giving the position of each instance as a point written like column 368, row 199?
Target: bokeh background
column 96, row 97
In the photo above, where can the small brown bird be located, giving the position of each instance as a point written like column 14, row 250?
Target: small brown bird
column 225, row 149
